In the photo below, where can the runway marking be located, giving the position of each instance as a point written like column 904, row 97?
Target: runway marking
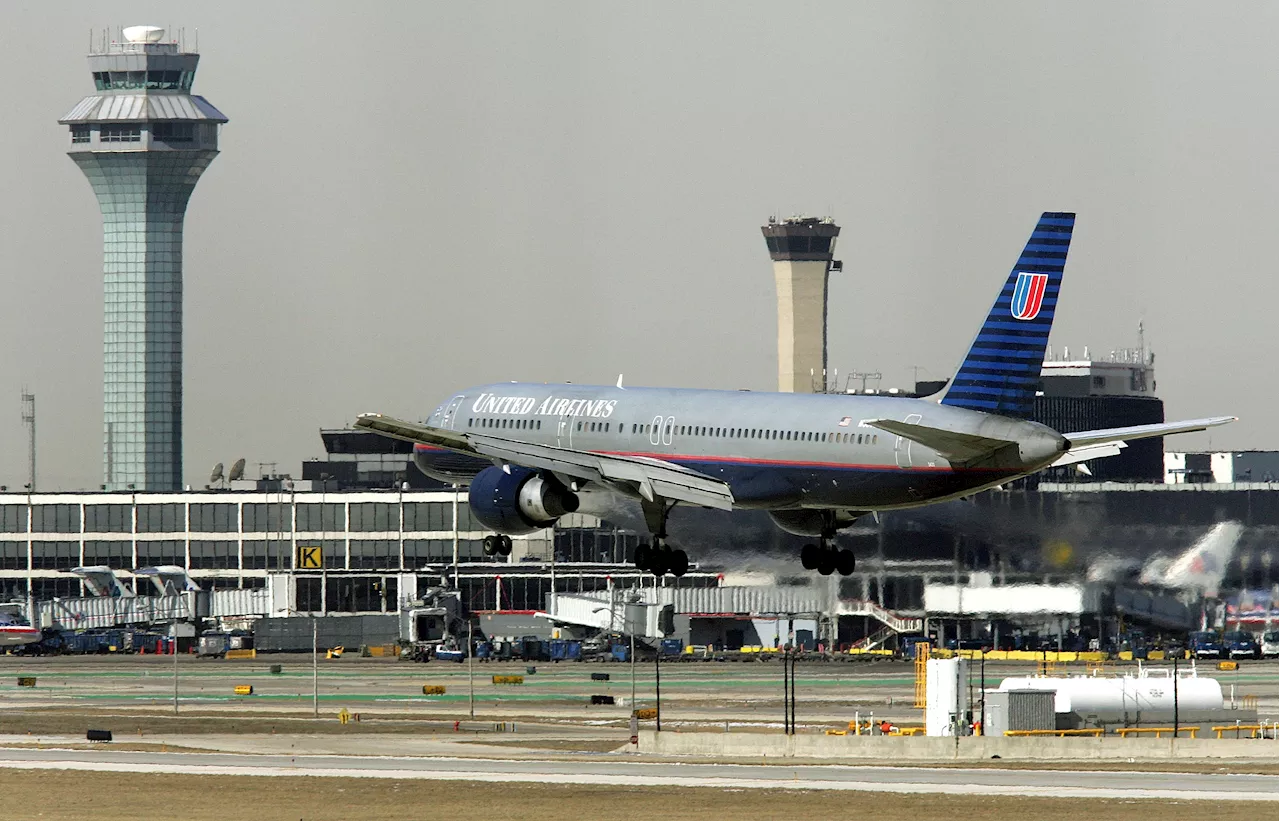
column 652, row 780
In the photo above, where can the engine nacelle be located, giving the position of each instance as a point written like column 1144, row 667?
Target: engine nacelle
column 517, row 500
column 807, row 522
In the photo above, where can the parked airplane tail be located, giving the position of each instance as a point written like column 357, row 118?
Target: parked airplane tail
column 1002, row 368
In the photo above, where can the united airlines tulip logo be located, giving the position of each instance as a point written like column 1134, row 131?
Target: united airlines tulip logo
column 1028, row 295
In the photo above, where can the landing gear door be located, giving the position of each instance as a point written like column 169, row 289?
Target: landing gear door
column 450, row 414
column 902, row 445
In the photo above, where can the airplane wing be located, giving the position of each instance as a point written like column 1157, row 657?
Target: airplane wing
column 1111, row 435
column 955, row 446
column 649, row 477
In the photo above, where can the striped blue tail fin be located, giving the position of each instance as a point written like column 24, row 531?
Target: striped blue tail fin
column 1000, row 373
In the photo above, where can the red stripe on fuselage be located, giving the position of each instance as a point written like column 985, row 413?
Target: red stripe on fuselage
column 744, row 460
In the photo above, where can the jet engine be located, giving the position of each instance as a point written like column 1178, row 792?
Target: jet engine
column 515, row 500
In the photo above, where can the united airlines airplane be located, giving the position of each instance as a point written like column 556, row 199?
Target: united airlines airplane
column 815, row 462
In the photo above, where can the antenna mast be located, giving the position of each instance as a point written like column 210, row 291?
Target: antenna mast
column 29, row 419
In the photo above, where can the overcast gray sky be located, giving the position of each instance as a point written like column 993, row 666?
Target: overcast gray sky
column 416, row 197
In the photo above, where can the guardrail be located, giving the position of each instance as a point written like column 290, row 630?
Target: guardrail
column 1090, row 733
column 1158, row 732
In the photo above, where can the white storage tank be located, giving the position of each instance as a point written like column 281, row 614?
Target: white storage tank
column 945, row 691
column 1149, row 690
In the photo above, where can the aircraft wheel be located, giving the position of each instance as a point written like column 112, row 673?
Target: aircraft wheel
column 827, row 562
column 809, row 555
column 490, row 545
column 504, row 545
column 679, row 564
column 660, row 561
column 643, row 556
column 844, row 562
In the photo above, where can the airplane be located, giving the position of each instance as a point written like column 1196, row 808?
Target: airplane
column 816, row 463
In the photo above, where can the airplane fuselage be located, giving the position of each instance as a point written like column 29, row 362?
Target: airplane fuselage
column 776, row 451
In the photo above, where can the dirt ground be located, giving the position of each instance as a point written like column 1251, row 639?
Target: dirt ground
column 109, row 797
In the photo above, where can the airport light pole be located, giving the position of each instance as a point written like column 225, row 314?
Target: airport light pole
column 1175, row 696
column 471, row 669
column 315, row 668
column 174, row 630
column 657, row 688
column 786, row 693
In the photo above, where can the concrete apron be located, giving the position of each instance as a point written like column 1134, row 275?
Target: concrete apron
column 920, row 748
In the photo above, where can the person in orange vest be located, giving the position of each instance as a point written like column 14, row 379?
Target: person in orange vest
column 885, row 727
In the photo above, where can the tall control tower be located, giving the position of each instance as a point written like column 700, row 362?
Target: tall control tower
column 143, row 141
column 802, row 249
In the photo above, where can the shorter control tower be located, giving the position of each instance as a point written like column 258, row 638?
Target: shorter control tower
column 802, row 249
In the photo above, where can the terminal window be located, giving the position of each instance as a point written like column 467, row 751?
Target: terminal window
column 117, row 555
column 266, row 518
column 55, row 518
column 419, row 552
column 108, row 519
column 375, row 516
column 13, row 518
column 79, row 133
column 314, row 518
column 428, row 516
column 375, row 554
column 214, row 518
column 168, row 551
column 167, row 518
column 56, row 555
column 13, row 556
column 210, row 555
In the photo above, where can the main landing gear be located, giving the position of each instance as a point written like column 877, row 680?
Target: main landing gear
column 660, row 558
column 497, row 545
column 825, row 557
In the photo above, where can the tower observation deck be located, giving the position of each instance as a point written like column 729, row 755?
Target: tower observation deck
column 143, row 140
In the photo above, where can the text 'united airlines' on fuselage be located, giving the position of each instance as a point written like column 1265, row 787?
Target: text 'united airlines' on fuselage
column 815, row 462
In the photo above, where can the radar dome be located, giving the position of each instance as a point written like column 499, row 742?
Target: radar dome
column 144, row 34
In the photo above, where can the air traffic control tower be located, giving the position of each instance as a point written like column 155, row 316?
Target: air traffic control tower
column 802, row 249
column 143, row 140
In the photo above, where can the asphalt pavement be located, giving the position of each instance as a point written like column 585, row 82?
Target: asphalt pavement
column 617, row 770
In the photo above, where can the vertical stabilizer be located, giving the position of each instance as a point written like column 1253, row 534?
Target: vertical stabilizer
column 1002, row 368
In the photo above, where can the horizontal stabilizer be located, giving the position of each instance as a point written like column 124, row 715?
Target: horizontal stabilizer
column 953, row 445
column 1098, row 437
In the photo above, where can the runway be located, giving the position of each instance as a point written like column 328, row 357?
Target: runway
column 621, row 772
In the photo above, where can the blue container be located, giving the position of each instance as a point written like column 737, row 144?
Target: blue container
column 559, row 649
column 672, row 647
column 619, row 652
column 451, row 655
column 483, row 650
column 573, row 650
